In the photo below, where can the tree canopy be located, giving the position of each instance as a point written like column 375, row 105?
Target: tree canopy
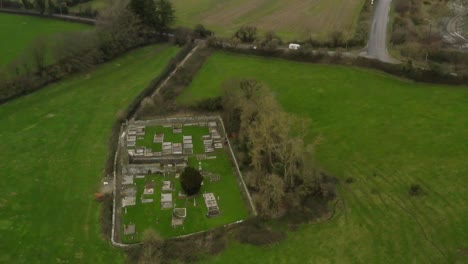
column 158, row 15
column 191, row 180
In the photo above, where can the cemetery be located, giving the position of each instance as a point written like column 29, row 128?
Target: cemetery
column 155, row 155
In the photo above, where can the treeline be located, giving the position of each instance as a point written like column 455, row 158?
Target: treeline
column 118, row 29
column 51, row 7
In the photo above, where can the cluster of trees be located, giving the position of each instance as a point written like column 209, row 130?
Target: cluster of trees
column 158, row 15
column 118, row 29
column 45, row 6
column 411, row 27
column 279, row 172
column 419, row 39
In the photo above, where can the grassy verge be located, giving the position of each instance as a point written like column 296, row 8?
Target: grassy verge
column 55, row 144
column 384, row 133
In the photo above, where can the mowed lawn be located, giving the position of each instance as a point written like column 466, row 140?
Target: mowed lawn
column 54, row 146
column 292, row 19
column 386, row 134
column 18, row 32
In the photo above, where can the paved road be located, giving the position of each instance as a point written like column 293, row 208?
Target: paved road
column 377, row 45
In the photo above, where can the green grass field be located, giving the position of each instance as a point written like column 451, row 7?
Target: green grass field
column 54, row 146
column 18, row 32
column 386, row 134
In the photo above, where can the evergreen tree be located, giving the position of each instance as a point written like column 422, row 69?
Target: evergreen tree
column 165, row 14
column 146, row 11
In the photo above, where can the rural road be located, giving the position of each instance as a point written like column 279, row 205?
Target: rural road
column 377, row 45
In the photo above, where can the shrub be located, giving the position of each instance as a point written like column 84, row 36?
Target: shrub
column 246, row 33
column 258, row 236
column 191, row 180
column 415, row 190
column 349, row 180
column 201, row 32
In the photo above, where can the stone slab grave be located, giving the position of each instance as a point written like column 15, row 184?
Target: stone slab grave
column 128, row 201
column 166, row 200
column 129, row 191
column 177, row 129
column 145, row 201
column 149, row 188
column 129, row 229
column 211, row 205
column 167, row 186
column 127, row 180
column 212, row 124
column 177, row 148
column 215, row 178
column 158, row 138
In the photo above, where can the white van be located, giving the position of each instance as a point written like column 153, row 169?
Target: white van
column 294, row 46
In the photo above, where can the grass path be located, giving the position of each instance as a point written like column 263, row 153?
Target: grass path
column 386, row 134
column 53, row 150
column 17, row 32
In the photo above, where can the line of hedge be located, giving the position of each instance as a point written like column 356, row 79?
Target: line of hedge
column 68, row 18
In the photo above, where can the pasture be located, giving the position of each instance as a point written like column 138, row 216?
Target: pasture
column 293, row 19
column 384, row 133
column 17, row 32
column 54, row 146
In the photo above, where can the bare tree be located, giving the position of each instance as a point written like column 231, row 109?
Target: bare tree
column 119, row 29
column 152, row 247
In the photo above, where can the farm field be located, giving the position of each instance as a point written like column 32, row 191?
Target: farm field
column 54, row 146
column 386, row 134
column 296, row 19
column 21, row 31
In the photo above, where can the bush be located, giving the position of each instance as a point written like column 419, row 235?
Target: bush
column 246, row 33
column 415, row 190
column 210, row 104
column 201, row 32
column 182, row 35
column 258, row 235
column 349, row 180
column 191, row 180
